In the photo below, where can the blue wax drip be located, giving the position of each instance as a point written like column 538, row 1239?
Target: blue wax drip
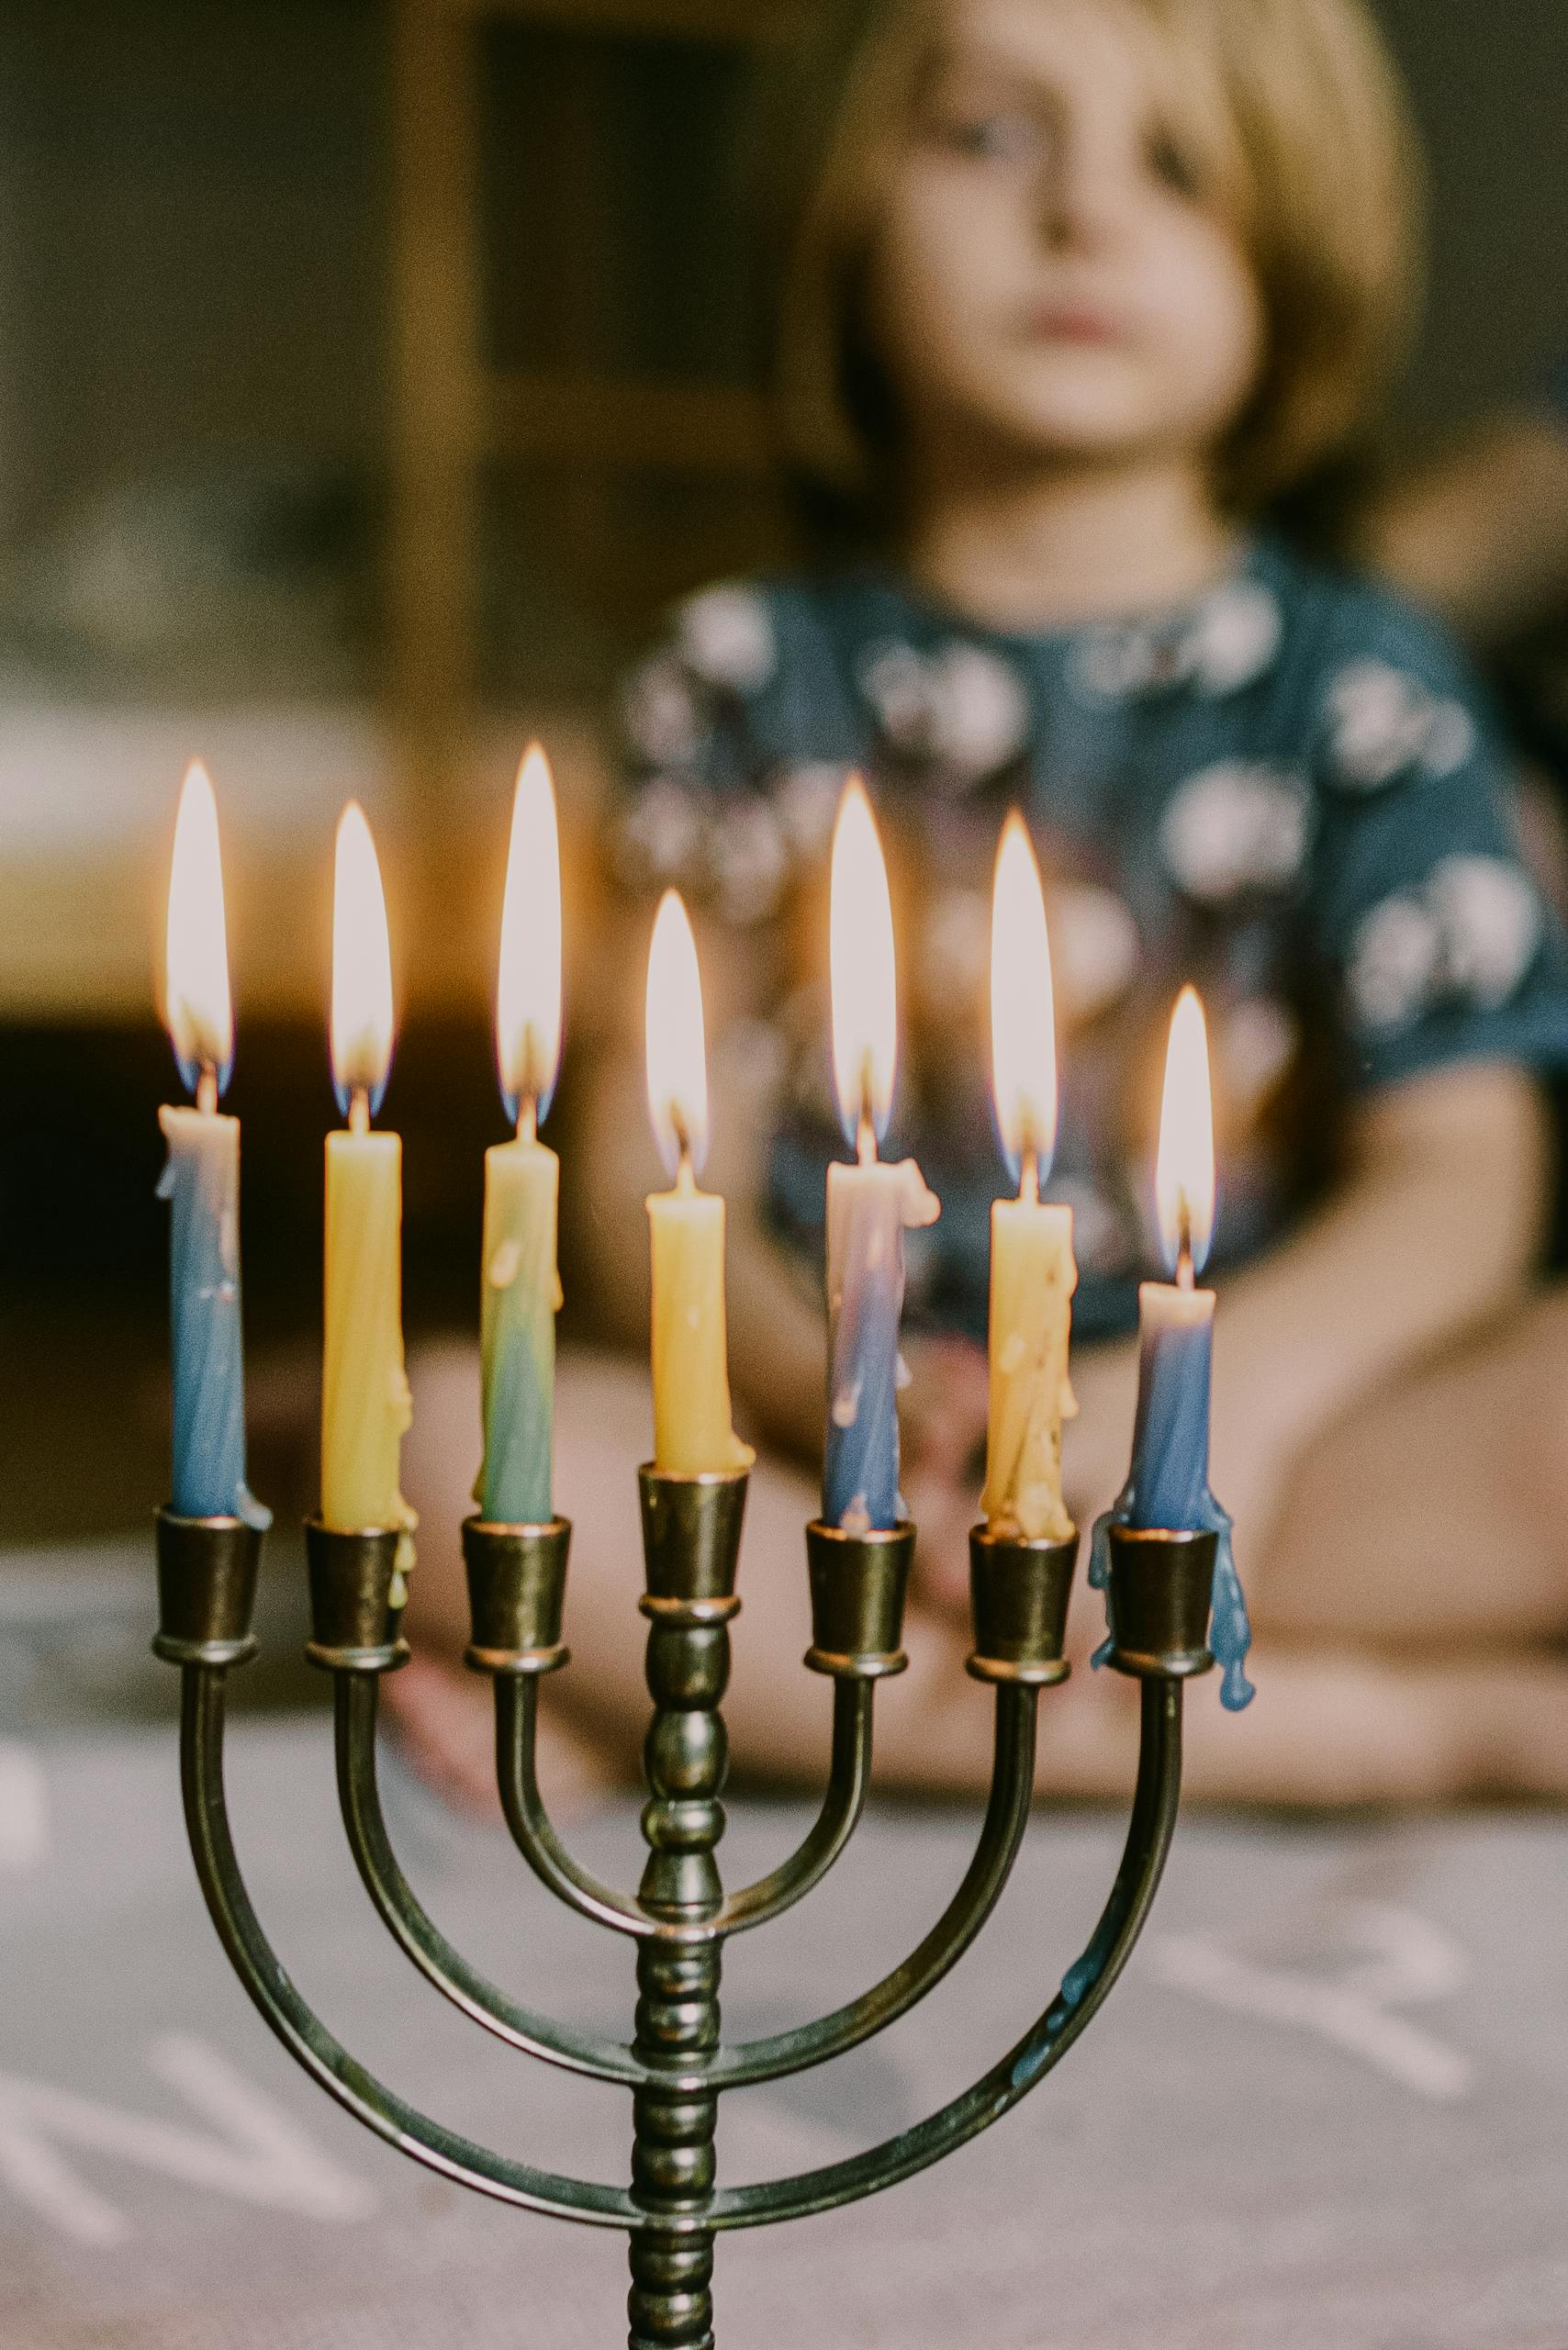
column 1167, row 1489
column 210, row 1371
column 861, row 1472
column 1082, row 1976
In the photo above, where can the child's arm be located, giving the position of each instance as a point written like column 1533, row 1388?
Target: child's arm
column 1482, row 534
column 1433, row 1231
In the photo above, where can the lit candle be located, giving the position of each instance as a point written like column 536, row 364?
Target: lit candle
column 521, row 1280
column 365, row 1408
column 1032, row 1275
column 693, row 1432
column 1167, row 1486
column 869, row 1205
column 201, row 1182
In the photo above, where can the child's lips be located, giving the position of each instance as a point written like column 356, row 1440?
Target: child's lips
column 1076, row 322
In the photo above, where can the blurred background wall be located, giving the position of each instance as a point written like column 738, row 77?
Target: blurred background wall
column 364, row 365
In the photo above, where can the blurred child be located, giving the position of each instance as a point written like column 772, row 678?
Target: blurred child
column 1078, row 291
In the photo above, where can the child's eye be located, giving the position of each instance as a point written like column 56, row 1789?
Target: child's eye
column 995, row 137
column 1172, row 166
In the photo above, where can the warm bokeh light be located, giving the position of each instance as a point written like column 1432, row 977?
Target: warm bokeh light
column 362, row 967
column 863, row 968
column 198, row 1007
column 1023, row 1006
column 1184, row 1177
column 528, row 1000
column 677, row 1058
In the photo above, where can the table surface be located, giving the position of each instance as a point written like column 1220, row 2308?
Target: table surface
column 1326, row 2109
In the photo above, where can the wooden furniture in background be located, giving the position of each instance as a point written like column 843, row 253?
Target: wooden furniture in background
column 456, row 412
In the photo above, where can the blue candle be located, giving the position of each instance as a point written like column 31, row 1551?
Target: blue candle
column 1167, row 1486
column 867, row 1209
column 869, row 1205
column 201, row 1183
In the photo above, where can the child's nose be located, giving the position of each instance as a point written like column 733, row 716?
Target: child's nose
column 1083, row 197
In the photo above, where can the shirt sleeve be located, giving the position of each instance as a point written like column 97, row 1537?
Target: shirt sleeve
column 1439, row 941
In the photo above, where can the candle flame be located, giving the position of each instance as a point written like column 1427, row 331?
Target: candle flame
column 362, row 968
column 1023, row 1006
column 1185, row 1178
column 863, row 970
column 199, row 1008
column 528, row 1000
column 677, row 1063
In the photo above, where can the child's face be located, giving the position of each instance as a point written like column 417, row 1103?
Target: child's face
column 1047, row 270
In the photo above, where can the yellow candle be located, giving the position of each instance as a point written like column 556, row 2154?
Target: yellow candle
column 693, row 1432
column 1032, row 1275
column 365, row 1404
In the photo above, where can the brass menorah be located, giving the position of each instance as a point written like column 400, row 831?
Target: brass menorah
column 677, row 2064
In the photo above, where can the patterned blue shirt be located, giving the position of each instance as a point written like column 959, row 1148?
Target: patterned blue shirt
column 1290, row 792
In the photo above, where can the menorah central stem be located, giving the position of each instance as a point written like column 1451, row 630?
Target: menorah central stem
column 686, row 1757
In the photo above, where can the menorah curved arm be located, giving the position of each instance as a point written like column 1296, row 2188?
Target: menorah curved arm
column 1007, row 1817
column 421, row 1940
column 849, row 1780
column 517, row 1731
column 1084, row 1990
column 305, row 2039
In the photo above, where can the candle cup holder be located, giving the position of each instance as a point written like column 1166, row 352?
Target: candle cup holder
column 1020, row 1590
column 206, row 1590
column 1162, row 1599
column 677, row 2065
column 356, row 1598
column 691, row 1543
column 517, row 1588
column 859, row 1583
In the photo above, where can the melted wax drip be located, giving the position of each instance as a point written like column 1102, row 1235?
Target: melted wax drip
column 1230, row 1635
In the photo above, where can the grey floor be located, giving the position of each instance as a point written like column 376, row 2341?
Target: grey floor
column 1327, row 2108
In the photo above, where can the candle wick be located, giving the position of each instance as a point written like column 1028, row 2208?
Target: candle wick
column 1029, row 1181
column 686, row 1177
column 528, row 1118
column 865, row 1129
column 207, row 1090
column 359, row 1111
column 866, row 1125
column 1186, row 1272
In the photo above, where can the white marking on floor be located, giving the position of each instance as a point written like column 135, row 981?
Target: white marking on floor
column 1395, row 1959
column 24, row 1810
column 256, row 2154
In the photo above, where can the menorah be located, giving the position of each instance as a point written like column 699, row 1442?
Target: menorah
column 678, row 2065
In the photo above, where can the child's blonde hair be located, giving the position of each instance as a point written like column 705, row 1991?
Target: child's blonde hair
column 1297, row 117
